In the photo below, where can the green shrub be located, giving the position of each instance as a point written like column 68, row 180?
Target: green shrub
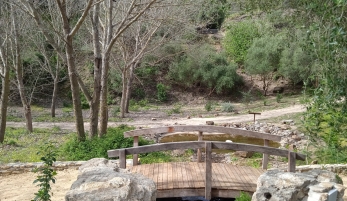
column 206, row 68
column 97, row 147
column 238, row 40
column 227, row 107
column 155, row 157
column 208, row 106
column 115, row 111
column 162, row 92
column 84, row 102
column 46, row 172
column 175, row 110
column 247, row 98
column 279, row 97
column 243, row 197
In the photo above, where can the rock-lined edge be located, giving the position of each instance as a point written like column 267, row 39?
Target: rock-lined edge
column 19, row 168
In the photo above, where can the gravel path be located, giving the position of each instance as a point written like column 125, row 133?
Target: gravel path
column 145, row 120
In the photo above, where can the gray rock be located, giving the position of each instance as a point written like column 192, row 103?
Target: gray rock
column 276, row 185
column 100, row 179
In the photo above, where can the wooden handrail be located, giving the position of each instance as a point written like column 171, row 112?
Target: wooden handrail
column 197, row 145
column 208, row 145
column 202, row 128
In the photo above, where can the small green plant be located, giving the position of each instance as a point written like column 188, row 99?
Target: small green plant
column 162, row 92
column 243, row 197
column 227, row 107
column 115, row 111
column 46, row 172
column 208, row 106
column 279, row 97
column 246, row 97
column 175, row 110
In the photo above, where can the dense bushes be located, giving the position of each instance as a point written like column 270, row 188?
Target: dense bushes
column 97, row 147
column 204, row 67
column 238, row 40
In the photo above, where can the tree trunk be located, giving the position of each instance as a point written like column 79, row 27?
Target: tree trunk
column 5, row 81
column 103, row 96
column 54, row 95
column 128, row 87
column 76, row 100
column 19, row 74
column 124, row 91
column 95, row 102
column 104, row 71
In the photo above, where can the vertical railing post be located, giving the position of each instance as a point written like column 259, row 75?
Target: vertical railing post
column 136, row 144
column 208, row 170
column 291, row 161
column 199, row 150
column 265, row 156
column 122, row 159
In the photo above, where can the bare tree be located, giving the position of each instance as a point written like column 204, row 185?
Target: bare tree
column 4, row 67
column 17, row 63
column 118, row 17
column 159, row 25
column 67, row 33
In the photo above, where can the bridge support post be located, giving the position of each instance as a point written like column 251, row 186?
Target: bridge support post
column 199, row 150
column 122, row 159
column 265, row 156
column 135, row 156
column 291, row 161
column 208, row 170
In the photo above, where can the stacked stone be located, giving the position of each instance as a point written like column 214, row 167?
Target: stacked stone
column 18, row 168
column 290, row 138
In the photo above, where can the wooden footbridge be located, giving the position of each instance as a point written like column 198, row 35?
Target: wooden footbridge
column 181, row 179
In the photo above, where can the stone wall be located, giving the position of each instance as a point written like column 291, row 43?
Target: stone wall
column 18, row 168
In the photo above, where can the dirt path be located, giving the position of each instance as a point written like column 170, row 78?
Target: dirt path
column 145, row 120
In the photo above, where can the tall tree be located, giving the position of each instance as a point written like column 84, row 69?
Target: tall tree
column 4, row 67
column 70, row 26
column 17, row 63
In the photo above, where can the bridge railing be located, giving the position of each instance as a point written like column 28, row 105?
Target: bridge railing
column 202, row 129
column 208, row 145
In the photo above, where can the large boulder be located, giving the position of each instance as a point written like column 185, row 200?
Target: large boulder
column 101, row 179
column 315, row 185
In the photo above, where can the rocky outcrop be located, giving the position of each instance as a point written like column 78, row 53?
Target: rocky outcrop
column 314, row 185
column 100, row 179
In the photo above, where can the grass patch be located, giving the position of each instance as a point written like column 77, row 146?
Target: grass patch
column 21, row 146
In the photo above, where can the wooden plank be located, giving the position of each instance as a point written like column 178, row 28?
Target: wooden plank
column 201, row 175
column 166, row 180
column 208, row 170
column 244, row 183
column 252, row 174
column 135, row 156
column 226, row 179
column 291, row 161
column 265, row 156
column 180, row 193
column 169, row 181
column 189, row 172
column 122, row 159
column 202, row 128
column 176, row 179
column 199, row 150
column 217, row 176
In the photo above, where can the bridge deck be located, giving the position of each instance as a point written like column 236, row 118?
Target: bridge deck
column 181, row 179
